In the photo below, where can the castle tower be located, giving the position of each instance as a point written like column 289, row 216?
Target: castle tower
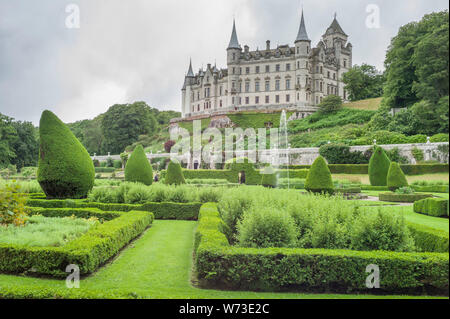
column 187, row 92
column 233, row 60
column 302, row 50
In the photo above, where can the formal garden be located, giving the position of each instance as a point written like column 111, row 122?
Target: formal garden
column 243, row 231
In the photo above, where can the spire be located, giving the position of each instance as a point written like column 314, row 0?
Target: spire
column 302, row 35
column 335, row 27
column 234, row 43
column 190, row 73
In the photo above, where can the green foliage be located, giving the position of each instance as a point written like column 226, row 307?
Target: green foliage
column 395, row 177
column 138, row 168
column 265, row 227
column 437, row 207
column 65, row 167
column 402, row 198
column 330, row 104
column 174, row 175
column 405, row 190
column 44, row 231
column 378, row 168
column 104, row 169
column 319, row 177
column 217, row 263
column 269, row 177
column 12, row 205
column 429, row 239
column 123, row 123
column 441, row 137
column 363, row 82
column 417, row 154
column 341, row 154
column 88, row 251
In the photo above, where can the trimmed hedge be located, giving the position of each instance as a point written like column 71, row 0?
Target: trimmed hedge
column 348, row 190
column 319, row 178
column 104, row 169
column 429, row 239
column 174, row 174
column 378, row 167
column 437, row 207
column 65, row 168
column 89, row 251
column 396, row 178
column 273, row 269
column 168, row 210
column 420, row 169
column 402, row 198
column 374, row 188
column 431, row 188
column 138, row 168
column 269, row 177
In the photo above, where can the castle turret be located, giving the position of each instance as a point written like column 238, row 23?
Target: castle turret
column 302, row 50
column 233, row 60
column 186, row 91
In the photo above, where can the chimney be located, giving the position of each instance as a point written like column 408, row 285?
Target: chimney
column 268, row 45
column 246, row 48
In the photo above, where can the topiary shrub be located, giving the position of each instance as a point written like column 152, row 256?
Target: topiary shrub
column 138, row 168
column 269, row 177
column 65, row 167
column 319, row 178
column 378, row 167
column 395, row 178
column 174, row 174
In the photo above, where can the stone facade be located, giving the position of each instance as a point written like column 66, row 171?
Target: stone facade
column 286, row 77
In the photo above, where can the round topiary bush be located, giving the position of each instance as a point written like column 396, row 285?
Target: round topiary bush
column 319, row 178
column 395, row 177
column 174, row 174
column 269, row 177
column 138, row 168
column 65, row 167
column 378, row 167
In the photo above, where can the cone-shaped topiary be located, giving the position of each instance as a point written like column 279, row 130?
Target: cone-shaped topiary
column 319, row 178
column 174, row 175
column 269, row 177
column 138, row 168
column 378, row 167
column 65, row 167
column 395, row 177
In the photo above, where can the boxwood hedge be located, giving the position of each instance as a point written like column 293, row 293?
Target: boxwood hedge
column 402, row 198
column 273, row 269
column 437, row 207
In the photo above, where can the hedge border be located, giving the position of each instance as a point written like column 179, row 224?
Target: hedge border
column 437, row 207
column 88, row 251
column 277, row 269
column 402, row 198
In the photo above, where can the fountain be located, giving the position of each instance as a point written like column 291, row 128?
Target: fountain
column 283, row 144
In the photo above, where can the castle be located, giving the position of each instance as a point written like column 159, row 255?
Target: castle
column 293, row 78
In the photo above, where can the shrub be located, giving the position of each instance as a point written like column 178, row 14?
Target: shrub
column 174, row 175
column 208, row 195
column 378, row 168
column 381, row 231
column 138, row 168
column 330, row 104
column 395, row 156
column 405, row 190
column 96, row 163
column 437, row 207
column 65, row 167
column 319, row 177
column 402, row 198
column 395, row 177
column 12, row 206
column 269, row 177
column 417, row 154
column 103, row 195
column 340, row 154
column 441, row 137
column 117, row 164
column 265, row 227
column 109, row 162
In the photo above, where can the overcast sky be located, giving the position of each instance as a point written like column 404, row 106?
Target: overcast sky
column 138, row 50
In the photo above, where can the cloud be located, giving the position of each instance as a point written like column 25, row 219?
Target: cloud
column 139, row 50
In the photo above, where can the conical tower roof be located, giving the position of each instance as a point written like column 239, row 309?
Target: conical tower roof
column 335, row 27
column 302, row 34
column 234, row 43
column 190, row 72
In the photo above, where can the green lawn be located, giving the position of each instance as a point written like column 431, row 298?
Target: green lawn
column 157, row 265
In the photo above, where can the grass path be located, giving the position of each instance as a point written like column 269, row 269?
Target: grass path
column 157, row 265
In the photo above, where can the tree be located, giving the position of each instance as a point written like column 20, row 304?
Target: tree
column 123, row 123
column 378, row 167
column 26, row 146
column 174, row 175
column 319, row 178
column 396, row 178
column 168, row 145
column 8, row 135
column 138, row 168
column 65, row 168
column 330, row 104
column 363, row 82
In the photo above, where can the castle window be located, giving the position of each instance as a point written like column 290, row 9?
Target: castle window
column 247, row 100
column 267, row 85
column 277, row 99
column 288, row 84
column 247, row 86
column 256, row 99
column 298, row 51
column 234, row 70
column 321, row 86
column 345, row 95
column 328, row 74
column 317, row 69
column 232, row 100
column 334, row 76
column 233, row 85
column 288, row 98
column 277, row 68
column 298, row 80
column 220, row 103
column 240, row 100
column 307, row 50
column 345, row 63
column 247, row 70
column 220, row 89
column 298, row 96
column 234, row 56
column 317, row 100
column 277, row 85
column 267, row 68
column 288, row 67
column 257, row 86
column 257, row 69
column 321, row 70
column 240, row 70
column 267, row 99
column 298, row 64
